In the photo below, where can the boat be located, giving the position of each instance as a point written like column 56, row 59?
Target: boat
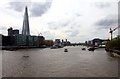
column 102, row 46
column 25, row 56
column 83, row 49
column 65, row 50
column 54, row 47
column 57, row 46
column 91, row 49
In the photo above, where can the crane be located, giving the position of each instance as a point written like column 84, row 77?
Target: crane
column 112, row 30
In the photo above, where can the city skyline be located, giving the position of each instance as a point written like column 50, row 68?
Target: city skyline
column 75, row 20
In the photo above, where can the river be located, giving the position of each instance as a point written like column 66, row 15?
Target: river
column 57, row 63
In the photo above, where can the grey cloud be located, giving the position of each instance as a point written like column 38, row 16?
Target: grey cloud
column 72, row 21
column 102, row 4
column 36, row 9
column 71, row 27
column 77, row 14
column 18, row 6
column 58, row 25
column 48, row 35
column 65, row 23
column 74, row 33
column 67, row 31
column 107, row 22
column 40, row 8
column 53, row 25
column 3, row 28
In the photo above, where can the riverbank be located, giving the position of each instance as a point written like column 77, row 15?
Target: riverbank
column 113, row 47
column 113, row 52
column 11, row 48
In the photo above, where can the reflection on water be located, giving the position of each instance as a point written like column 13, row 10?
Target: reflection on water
column 57, row 63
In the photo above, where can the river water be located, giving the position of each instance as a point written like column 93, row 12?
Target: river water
column 57, row 63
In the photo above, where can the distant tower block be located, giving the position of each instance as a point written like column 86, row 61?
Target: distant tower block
column 25, row 28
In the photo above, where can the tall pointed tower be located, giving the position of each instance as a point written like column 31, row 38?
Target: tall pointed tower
column 119, row 19
column 25, row 28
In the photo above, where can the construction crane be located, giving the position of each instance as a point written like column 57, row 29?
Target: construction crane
column 111, row 32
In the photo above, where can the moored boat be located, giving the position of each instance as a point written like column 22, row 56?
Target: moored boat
column 65, row 50
column 83, row 49
column 91, row 49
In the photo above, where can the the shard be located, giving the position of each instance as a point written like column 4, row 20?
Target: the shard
column 25, row 28
column 119, row 19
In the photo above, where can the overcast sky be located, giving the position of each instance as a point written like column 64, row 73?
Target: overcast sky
column 75, row 20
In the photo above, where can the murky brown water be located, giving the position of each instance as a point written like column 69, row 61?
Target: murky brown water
column 57, row 63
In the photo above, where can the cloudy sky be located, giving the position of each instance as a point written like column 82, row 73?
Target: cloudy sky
column 75, row 20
